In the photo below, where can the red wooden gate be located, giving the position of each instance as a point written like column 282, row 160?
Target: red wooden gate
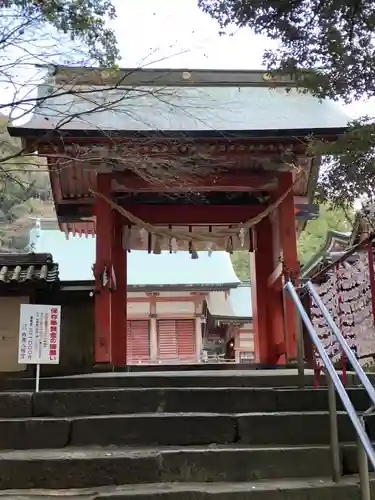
column 138, row 341
column 176, row 340
column 186, row 339
column 167, row 340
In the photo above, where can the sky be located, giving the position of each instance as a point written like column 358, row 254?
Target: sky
column 168, row 34
column 176, row 34
column 164, row 34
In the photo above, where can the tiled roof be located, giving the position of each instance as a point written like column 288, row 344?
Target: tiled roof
column 76, row 257
column 236, row 306
column 240, row 299
column 213, row 106
column 32, row 269
column 336, row 242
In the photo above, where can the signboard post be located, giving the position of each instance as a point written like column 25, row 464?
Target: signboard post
column 39, row 336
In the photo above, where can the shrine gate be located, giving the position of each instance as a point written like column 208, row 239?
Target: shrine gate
column 169, row 160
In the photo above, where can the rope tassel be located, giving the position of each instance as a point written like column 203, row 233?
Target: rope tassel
column 193, row 252
column 157, row 245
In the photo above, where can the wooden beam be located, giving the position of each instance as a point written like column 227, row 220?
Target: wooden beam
column 237, row 181
column 173, row 214
column 195, row 214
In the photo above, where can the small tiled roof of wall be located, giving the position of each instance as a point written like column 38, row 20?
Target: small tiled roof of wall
column 31, row 268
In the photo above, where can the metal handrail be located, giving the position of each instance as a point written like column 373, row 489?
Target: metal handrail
column 334, row 382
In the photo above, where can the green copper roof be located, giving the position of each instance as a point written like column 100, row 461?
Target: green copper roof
column 76, row 257
column 323, row 256
column 191, row 100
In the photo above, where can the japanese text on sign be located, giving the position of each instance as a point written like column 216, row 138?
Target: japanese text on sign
column 39, row 336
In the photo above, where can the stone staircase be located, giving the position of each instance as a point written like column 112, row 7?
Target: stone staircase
column 173, row 436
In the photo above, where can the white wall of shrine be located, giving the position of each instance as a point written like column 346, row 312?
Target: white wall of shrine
column 166, row 304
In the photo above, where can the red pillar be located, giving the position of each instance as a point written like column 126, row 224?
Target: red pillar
column 275, row 297
column 288, row 243
column 266, row 303
column 102, row 265
column 118, row 295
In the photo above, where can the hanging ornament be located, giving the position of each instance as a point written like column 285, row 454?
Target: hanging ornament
column 190, row 242
column 210, row 248
column 125, row 238
column 138, row 239
column 157, row 245
column 113, row 279
column 251, row 240
column 174, row 245
column 143, row 235
column 193, row 252
column 170, row 241
column 229, row 245
column 242, row 236
column 104, row 280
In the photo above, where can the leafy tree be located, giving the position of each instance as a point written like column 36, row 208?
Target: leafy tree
column 40, row 32
column 314, row 236
column 35, row 34
column 328, row 46
column 241, row 264
column 24, row 192
column 84, row 21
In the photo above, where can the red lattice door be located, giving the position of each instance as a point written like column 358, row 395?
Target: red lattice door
column 186, row 339
column 138, row 341
column 167, row 340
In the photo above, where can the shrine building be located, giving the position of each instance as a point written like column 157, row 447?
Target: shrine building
column 177, row 306
column 160, row 159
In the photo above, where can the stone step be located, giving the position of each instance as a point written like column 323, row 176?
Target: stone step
column 209, row 378
column 108, row 466
column 147, row 400
column 175, row 429
column 310, row 489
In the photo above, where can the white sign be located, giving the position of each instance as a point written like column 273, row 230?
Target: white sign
column 39, row 337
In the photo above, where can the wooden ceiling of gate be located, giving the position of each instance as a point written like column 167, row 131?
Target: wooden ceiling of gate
column 137, row 168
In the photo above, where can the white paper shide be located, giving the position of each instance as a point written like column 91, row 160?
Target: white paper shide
column 39, row 336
